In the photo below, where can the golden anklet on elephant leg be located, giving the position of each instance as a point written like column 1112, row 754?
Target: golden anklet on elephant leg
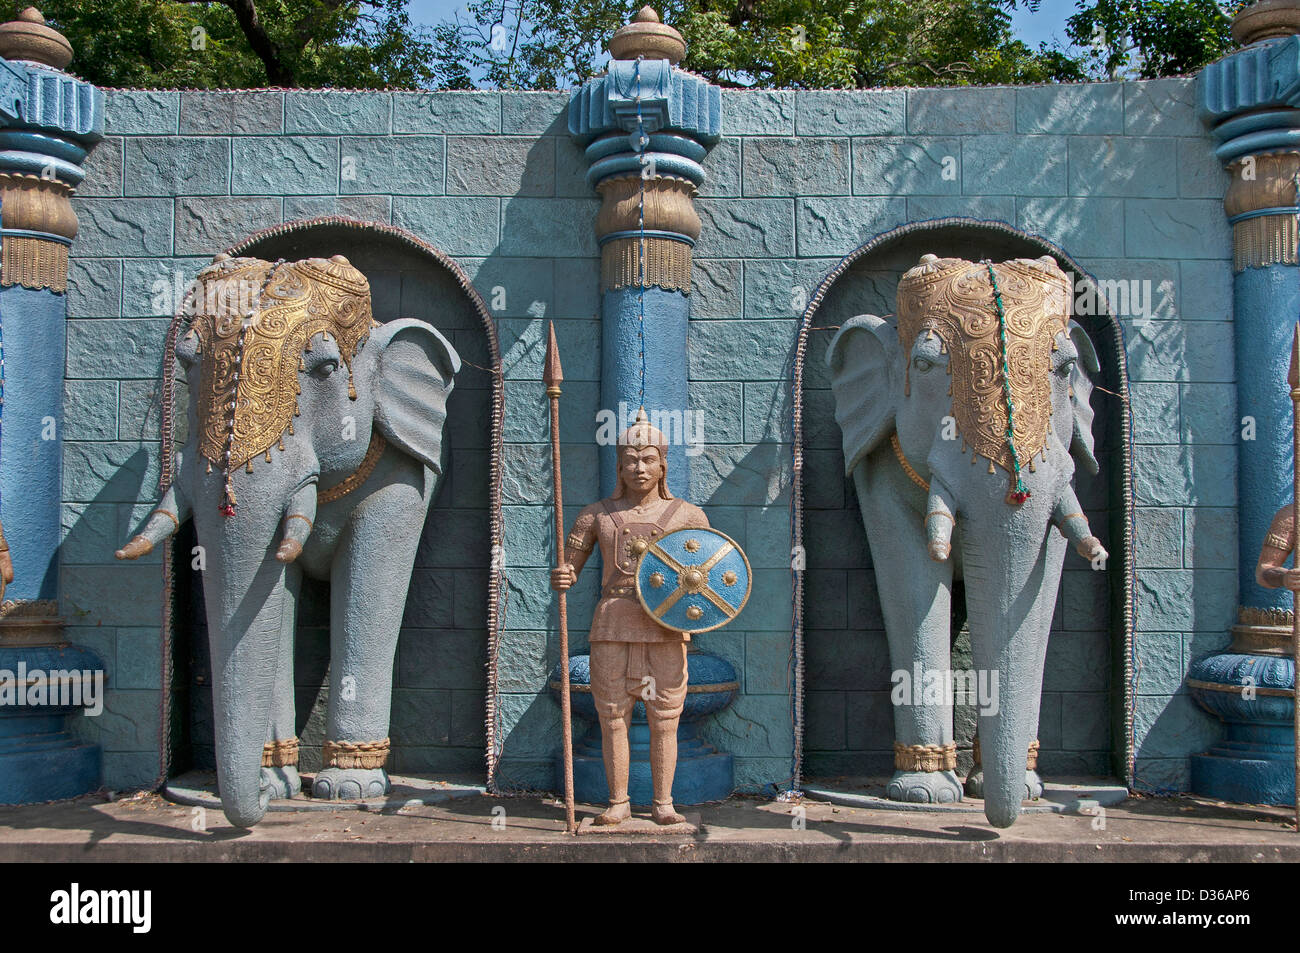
column 925, row 757
column 355, row 754
column 280, row 754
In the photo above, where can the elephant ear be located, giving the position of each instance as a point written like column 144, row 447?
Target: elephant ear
column 1085, row 368
column 864, row 361
column 414, row 375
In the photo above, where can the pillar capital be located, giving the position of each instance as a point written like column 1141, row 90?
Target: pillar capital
column 647, row 38
column 647, row 126
column 1261, row 207
column 1250, row 98
column 49, row 123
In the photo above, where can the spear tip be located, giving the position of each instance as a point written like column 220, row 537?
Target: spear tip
column 552, row 374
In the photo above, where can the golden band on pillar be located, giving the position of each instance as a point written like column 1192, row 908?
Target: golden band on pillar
column 1260, row 204
column 280, row 754
column 655, row 259
column 38, row 227
column 355, row 754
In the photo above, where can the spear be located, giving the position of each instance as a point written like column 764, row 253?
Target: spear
column 552, row 376
column 1293, row 378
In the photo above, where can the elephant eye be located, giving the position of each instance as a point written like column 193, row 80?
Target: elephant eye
column 1065, row 369
column 324, row 369
column 921, row 364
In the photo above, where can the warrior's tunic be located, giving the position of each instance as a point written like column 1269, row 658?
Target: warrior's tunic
column 630, row 652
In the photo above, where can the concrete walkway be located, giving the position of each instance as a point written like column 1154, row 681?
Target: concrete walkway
column 147, row 828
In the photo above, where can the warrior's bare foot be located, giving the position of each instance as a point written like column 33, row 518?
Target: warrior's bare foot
column 666, row 814
column 614, row 814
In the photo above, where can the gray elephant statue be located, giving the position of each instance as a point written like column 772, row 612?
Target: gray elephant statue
column 315, row 447
column 962, row 421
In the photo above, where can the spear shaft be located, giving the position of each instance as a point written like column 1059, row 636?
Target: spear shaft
column 1293, row 378
column 552, row 377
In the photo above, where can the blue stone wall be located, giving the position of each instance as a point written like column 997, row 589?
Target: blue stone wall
column 1120, row 175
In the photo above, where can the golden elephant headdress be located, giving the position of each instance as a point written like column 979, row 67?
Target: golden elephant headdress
column 254, row 320
column 956, row 300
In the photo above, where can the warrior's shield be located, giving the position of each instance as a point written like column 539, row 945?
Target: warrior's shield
column 693, row 580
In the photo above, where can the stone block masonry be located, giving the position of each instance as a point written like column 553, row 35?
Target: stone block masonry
column 1119, row 174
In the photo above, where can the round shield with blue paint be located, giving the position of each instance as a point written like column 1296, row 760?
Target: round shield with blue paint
column 693, row 580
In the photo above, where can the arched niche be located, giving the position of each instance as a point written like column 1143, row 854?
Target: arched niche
column 843, row 715
column 444, row 684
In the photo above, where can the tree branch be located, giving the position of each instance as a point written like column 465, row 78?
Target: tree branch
column 277, row 73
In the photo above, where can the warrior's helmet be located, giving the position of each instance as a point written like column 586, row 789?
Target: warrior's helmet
column 641, row 435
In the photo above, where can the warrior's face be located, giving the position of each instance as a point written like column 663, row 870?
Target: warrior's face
column 640, row 468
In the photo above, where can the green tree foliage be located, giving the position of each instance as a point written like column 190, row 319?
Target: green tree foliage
column 540, row 44
column 1150, row 38
column 244, row 43
column 554, row 44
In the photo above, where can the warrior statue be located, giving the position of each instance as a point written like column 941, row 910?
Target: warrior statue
column 632, row 656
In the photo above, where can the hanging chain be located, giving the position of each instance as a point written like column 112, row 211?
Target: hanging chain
column 1021, row 492
column 642, row 140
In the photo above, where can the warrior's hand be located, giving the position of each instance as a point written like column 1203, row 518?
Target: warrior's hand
column 563, row 577
column 6, row 568
column 1277, row 577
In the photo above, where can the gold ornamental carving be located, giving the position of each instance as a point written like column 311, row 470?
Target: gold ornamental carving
column 669, row 205
column 954, row 299
column 27, row 37
column 300, row 299
column 631, row 204
column 280, row 754
column 1031, row 756
column 647, row 36
column 1265, row 20
column 925, row 757
column 355, row 754
column 664, row 262
column 29, row 203
column 30, row 622
column 1259, row 203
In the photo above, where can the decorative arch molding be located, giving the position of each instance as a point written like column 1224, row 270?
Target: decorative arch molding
column 311, row 232
column 950, row 235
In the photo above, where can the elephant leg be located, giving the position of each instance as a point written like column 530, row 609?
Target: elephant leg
column 280, row 754
column 369, row 580
column 916, row 601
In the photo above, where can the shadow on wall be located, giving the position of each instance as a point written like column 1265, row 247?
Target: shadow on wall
column 112, row 608
column 849, row 715
column 440, row 673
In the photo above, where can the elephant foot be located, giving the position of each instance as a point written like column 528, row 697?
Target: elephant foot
column 924, row 787
column 283, row 782
column 1033, row 786
column 350, row 784
column 975, row 784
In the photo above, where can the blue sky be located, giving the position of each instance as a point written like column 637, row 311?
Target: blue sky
column 1045, row 25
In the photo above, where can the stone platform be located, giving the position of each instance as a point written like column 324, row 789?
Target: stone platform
column 147, row 827
column 1064, row 796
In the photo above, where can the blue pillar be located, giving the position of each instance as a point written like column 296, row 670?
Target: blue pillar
column 646, row 126
column 49, row 122
column 1250, row 100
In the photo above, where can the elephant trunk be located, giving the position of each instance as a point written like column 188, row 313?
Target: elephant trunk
column 1010, row 599
column 247, row 608
column 1011, row 561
